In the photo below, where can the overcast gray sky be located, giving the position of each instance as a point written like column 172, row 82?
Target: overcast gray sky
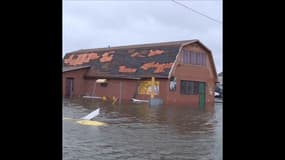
column 94, row 24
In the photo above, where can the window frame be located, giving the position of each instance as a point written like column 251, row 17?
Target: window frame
column 189, row 87
column 194, row 58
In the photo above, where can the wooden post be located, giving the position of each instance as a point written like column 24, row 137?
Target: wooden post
column 120, row 99
column 152, row 87
column 94, row 89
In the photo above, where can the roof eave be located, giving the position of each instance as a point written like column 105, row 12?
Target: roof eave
column 75, row 68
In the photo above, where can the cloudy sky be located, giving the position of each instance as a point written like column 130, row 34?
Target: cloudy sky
column 95, row 24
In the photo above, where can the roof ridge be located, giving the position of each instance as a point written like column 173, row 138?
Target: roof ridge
column 169, row 43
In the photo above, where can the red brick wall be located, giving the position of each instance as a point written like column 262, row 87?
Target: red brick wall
column 128, row 88
column 78, row 81
column 194, row 73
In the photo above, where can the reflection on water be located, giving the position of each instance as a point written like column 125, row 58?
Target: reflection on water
column 137, row 131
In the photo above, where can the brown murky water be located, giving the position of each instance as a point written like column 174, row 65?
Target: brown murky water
column 137, row 131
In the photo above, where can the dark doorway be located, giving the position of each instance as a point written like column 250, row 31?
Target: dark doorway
column 69, row 87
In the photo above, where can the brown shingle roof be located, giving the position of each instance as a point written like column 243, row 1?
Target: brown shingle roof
column 137, row 61
column 133, row 46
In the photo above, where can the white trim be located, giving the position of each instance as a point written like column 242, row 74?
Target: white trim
column 173, row 65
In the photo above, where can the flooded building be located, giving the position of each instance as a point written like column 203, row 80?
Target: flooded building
column 179, row 72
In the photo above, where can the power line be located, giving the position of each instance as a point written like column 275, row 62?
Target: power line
column 141, row 0
column 201, row 0
column 202, row 14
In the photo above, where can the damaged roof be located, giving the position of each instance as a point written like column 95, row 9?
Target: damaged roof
column 144, row 60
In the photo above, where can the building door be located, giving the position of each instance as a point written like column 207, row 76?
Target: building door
column 202, row 96
column 69, row 87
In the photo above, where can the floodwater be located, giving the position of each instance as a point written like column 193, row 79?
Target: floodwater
column 138, row 132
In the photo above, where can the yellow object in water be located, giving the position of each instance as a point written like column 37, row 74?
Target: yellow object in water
column 91, row 123
column 115, row 99
column 65, row 118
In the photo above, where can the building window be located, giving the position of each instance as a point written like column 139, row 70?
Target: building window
column 172, row 84
column 189, row 87
column 103, row 84
column 189, row 57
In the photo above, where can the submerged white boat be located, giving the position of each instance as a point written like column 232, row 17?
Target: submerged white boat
column 92, row 114
column 86, row 120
